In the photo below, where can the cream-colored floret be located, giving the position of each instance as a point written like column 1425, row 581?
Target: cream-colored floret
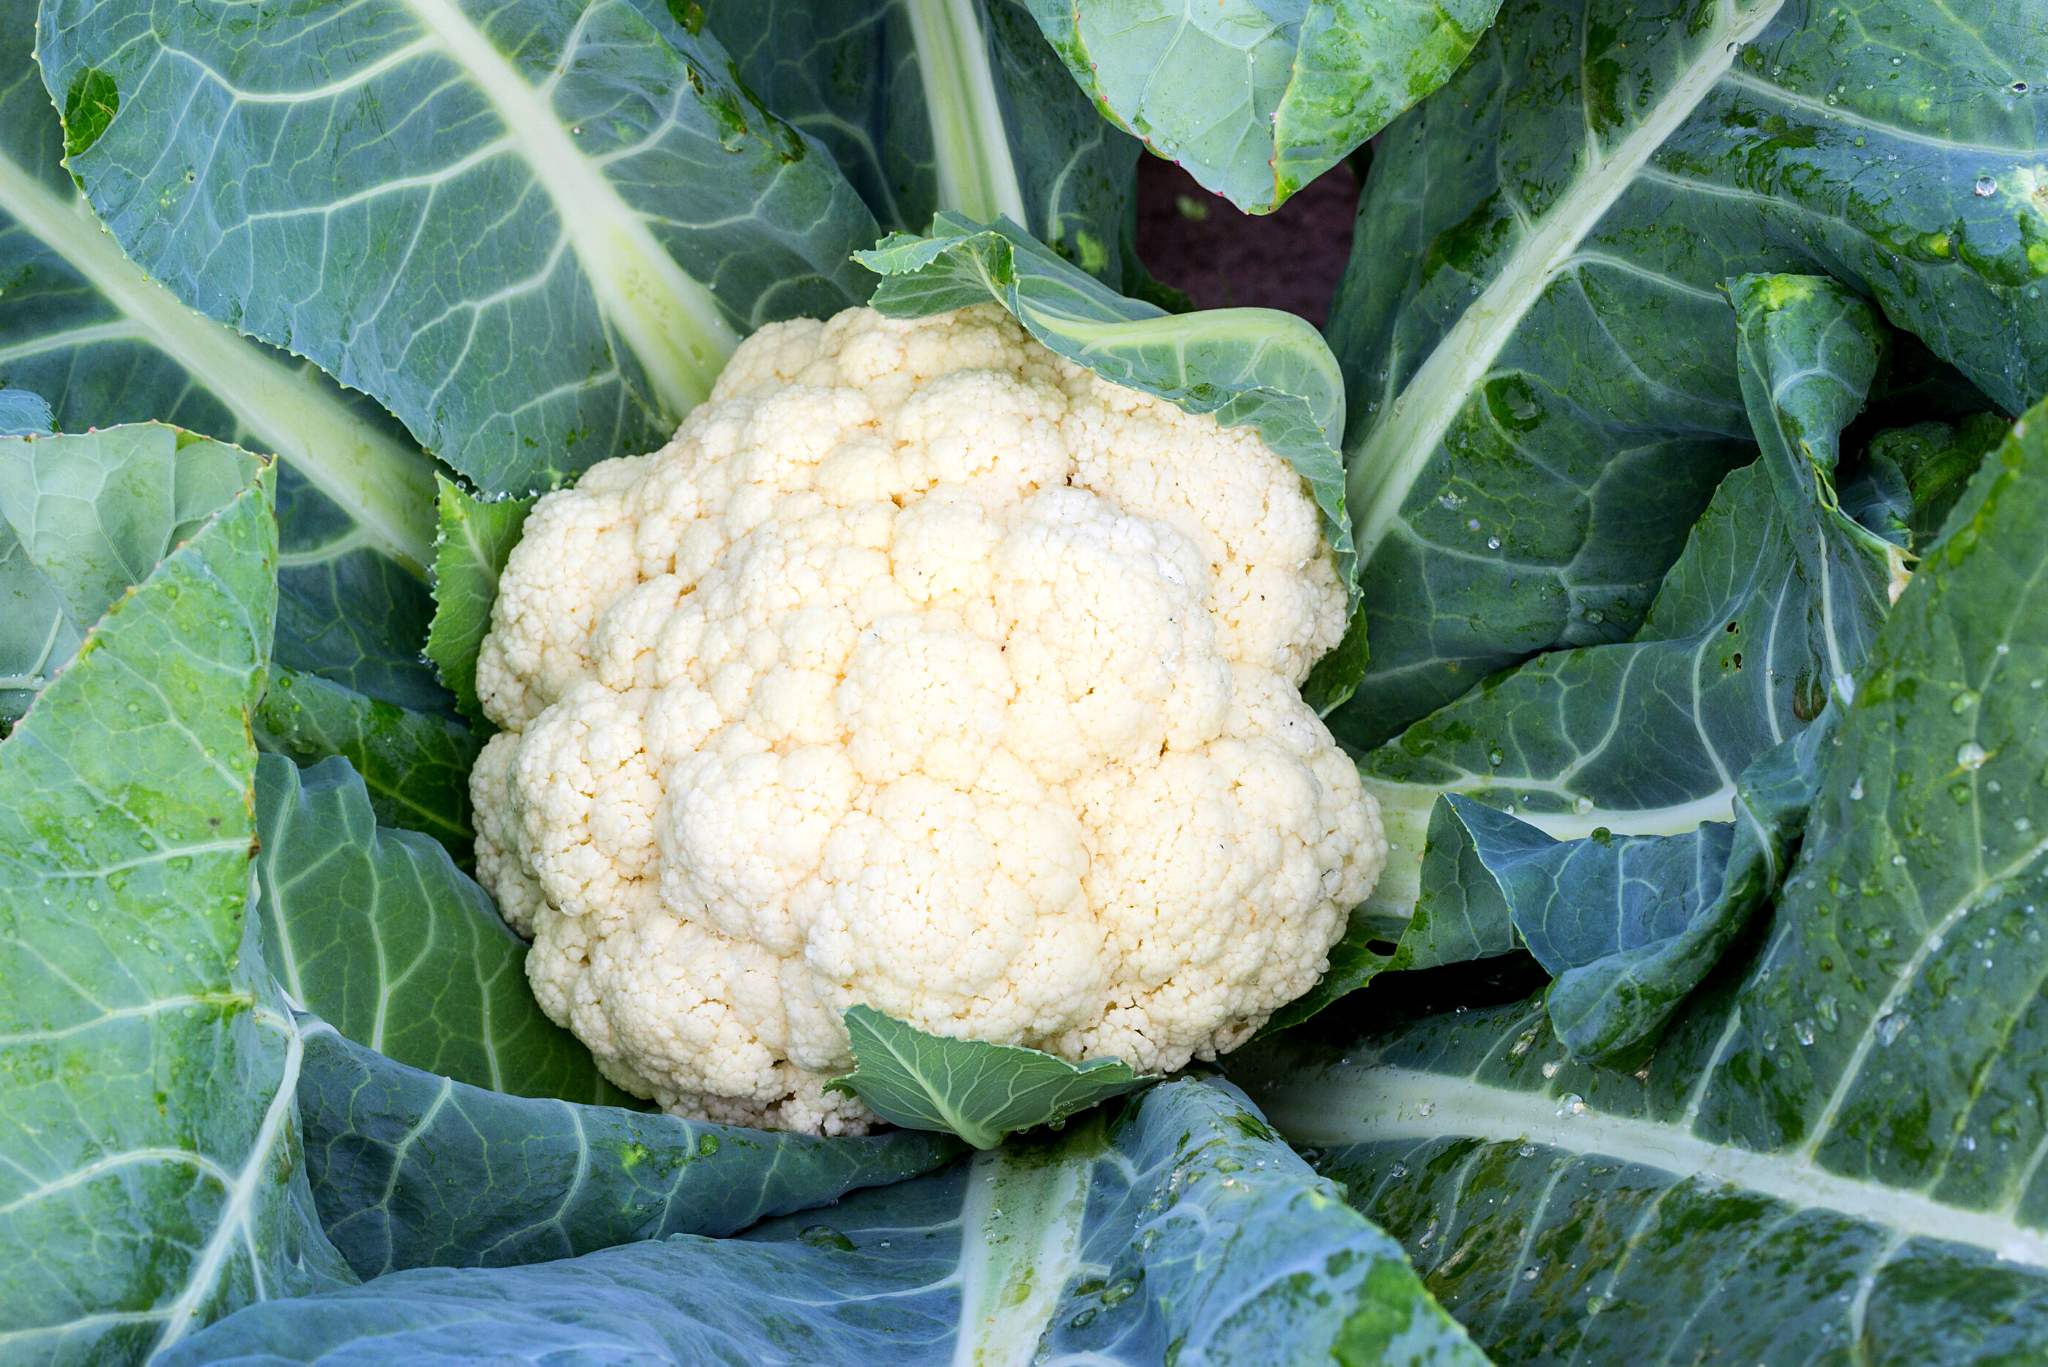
column 927, row 671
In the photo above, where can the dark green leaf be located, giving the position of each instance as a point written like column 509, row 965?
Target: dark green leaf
column 415, row 763
column 378, row 933
column 1764, row 616
column 1544, row 390
column 970, row 1088
column 414, row 1170
column 1836, row 1149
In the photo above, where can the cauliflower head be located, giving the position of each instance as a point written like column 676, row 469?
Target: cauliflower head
column 927, row 670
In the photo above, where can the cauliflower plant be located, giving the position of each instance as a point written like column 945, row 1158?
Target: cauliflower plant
column 926, row 670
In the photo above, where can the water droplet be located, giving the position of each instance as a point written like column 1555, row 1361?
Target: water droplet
column 1890, row 1026
column 1529, row 1273
column 1553, row 1067
column 1526, row 1151
column 1493, row 543
column 1856, row 789
column 1971, row 755
column 1964, row 701
column 1803, row 1032
column 1083, row 1319
column 1471, row 524
column 2019, row 87
column 1583, row 805
column 1985, row 187
column 1398, row 1171
column 1571, row 1103
column 1495, row 757
column 1426, row 1109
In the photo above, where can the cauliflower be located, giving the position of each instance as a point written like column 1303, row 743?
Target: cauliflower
column 926, row 670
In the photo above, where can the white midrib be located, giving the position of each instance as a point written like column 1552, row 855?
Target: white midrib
column 385, row 487
column 1401, row 446
column 1020, row 1242
column 976, row 173
column 239, row 1208
column 670, row 321
column 1329, row 1109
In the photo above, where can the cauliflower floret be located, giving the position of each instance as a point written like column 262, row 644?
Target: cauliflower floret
column 927, row 671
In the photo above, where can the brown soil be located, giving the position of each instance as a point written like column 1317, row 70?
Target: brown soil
column 1200, row 243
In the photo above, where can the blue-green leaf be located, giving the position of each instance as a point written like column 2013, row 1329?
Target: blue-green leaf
column 23, row 414
column 87, row 329
column 1256, row 98
column 970, row 1088
column 1628, row 925
column 1179, row 1230
column 1544, row 388
column 378, row 933
column 415, row 1170
column 944, row 104
column 152, row 1178
column 533, row 231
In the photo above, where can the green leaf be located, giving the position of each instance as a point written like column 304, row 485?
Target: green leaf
column 1769, row 608
column 378, row 933
column 414, row 1170
column 351, row 680
column 1533, row 329
column 82, row 520
column 533, row 231
column 152, row 1179
column 1252, row 367
column 1256, row 98
column 944, row 104
column 1182, row 1229
column 81, row 517
column 970, row 1088
column 23, row 414
column 469, row 554
column 1929, row 464
column 414, row 763
column 1836, row 1146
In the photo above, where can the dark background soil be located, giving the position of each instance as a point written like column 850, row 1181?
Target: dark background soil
column 1199, row 243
